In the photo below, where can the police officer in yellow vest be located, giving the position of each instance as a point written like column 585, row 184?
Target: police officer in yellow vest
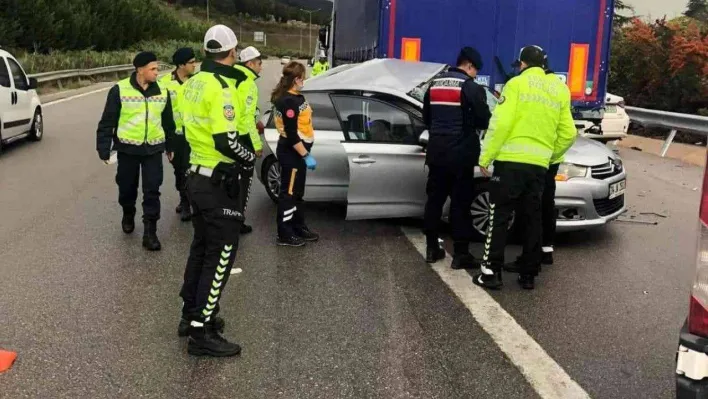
column 531, row 126
column 138, row 124
column 185, row 62
column 321, row 66
column 210, row 108
column 251, row 65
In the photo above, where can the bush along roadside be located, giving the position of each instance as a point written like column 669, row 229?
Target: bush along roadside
column 87, row 59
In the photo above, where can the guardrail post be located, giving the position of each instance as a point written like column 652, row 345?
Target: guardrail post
column 668, row 142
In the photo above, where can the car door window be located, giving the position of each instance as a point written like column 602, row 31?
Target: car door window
column 324, row 117
column 4, row 74
column 18, row 76
column 367, row 119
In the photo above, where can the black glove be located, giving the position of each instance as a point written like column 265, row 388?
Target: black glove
column 105, row 156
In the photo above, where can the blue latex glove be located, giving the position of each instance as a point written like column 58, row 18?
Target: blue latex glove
column 311, row 162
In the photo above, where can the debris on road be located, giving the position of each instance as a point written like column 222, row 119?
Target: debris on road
column 653, row 213
column 637, row 221
column 636, row 149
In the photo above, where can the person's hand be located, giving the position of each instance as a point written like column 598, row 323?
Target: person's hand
column 310, row 162
column 485, row 171
column 170, row 156
column 259, row 153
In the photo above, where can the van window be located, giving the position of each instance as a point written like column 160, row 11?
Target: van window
column 4, row 74
column 18, row 76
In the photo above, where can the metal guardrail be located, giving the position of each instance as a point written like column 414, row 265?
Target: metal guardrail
column 59, row 76
column 670, row 120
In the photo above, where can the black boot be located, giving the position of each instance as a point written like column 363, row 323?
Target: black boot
column 185, row 212
column 547, row 258
column 206, row 341
column 150, row 241
column 465, row 261
column 433, row 252
column 183, row 328
column 489, row 281
column 128, row 222
column 462, row 258
column 526, row 281
column 292, row 241
column 307, row 235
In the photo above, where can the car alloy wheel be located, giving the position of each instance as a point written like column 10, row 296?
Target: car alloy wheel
column 480, row 213
column 273, row 179
column 37, row 127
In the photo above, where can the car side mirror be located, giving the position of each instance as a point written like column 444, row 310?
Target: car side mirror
column 33, row 84
column 424, row 137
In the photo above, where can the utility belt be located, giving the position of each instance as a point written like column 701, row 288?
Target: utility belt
column 225, row 175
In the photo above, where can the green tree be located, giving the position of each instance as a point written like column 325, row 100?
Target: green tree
column 620, row 8
column 697, row 9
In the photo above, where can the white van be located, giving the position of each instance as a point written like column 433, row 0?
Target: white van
column 20, row 108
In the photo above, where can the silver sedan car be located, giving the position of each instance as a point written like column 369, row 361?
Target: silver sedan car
column 370, row 149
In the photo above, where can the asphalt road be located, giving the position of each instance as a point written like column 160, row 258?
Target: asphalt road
column 358, row 315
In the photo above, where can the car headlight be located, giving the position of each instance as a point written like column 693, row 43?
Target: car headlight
column 567, row 171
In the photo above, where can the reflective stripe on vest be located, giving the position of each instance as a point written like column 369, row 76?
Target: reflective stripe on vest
column 175, row 89
column 140, row 118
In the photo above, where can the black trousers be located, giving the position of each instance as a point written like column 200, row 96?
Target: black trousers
column 180, row 164
column 548, row 207
column 293, row 174
column 458, row 184
column 128, row 179
column 217, row 218
column 514, row 186
column 247, row 176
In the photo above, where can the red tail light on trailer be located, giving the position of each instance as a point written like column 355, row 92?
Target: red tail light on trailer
column 698, row 314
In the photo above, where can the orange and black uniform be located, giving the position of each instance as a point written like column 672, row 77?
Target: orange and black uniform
column 293, row 119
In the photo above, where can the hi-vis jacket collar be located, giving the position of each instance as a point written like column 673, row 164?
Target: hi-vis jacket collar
column 248, row 70
column 223, row 70
column 176, row 77
column 534, row 71
column 152, row 90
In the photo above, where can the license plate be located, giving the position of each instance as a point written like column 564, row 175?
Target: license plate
column 618, row 189
column 611, row 109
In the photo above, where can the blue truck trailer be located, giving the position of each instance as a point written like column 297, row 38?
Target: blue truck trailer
column 576, row 35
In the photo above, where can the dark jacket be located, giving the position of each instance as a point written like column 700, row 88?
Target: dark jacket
column 454, row 110
column 106, row 138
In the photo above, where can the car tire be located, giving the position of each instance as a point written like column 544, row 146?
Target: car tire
column 37, row 131
column 271, row 177
column 479, row 211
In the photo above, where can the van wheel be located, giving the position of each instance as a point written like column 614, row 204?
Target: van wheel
column 480, row 212
column 271, row 177
column 37, row 131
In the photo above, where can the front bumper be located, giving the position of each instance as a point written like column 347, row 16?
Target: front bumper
column 584, row 203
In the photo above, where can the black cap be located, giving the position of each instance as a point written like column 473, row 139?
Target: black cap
column 143, row 59
column 471, row 55
column 182, row 56
column 533, row 56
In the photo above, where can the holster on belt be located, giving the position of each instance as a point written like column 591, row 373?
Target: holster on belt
column 227, row 176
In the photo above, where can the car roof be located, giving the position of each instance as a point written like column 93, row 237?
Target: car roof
column 388, row 75
column 4, row 53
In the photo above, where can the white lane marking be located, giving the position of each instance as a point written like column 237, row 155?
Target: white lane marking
column 77, row 96
column 541, row 371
